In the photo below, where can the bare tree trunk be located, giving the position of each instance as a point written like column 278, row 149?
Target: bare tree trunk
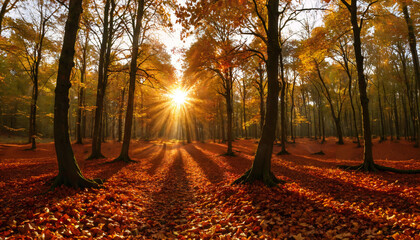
column 282, row 106
column 222, row 126
column 368, row 164
column 100, row 93
column 81, row 97
column 261, row 166
column 396, row 118
column 120, row 115
column 381, row 115
column 413, row 48
column 229, row 112
column 68, row 171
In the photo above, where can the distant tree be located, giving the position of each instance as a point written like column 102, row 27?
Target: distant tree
column 31, row 41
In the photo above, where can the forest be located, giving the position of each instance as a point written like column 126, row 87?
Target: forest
column 209, row 119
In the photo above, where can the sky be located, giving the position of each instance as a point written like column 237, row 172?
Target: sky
column 173, row 42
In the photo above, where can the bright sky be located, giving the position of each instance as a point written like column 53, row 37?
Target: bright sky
column 174, row 44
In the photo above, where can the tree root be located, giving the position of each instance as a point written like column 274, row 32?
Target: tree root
column 283, row 152
column 95, row 156
column 125, row 159
column 270, row 180
column 228, row 154
column 80, row 182
column 376, row 167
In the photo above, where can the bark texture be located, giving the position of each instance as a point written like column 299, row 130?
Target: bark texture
column 69, row 172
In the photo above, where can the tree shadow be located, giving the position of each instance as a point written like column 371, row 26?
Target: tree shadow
column 145, row 152
column 22, row 171
column 237, row 164
column 157, row 160
column 168, row 206
column 342, row 190
column 212, row 171
column 215, row 148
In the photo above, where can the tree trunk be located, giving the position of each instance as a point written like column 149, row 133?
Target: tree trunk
column 261, row 95
column 396, row 118
column 381, row 115
column 69, row 173
column 229, row 112
column 222, row 126
column 282, row 106
column 261, row 166
column 133, row 70
column 32, row 117
column 81, row 100
column 336, row 117
column 406, row 121
column 3, row 11
column 187, row 128
column 120, row 115
column 413, row 48
column 368, row 164
column 100, row 93
column 244, row 108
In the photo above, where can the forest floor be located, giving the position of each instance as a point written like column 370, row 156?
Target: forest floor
column 183, row 191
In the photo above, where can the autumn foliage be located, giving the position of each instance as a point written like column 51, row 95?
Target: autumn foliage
column 183, row 191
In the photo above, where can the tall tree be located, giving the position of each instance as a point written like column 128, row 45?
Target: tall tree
column 132, row 84
column 357, row 21
column 81, row 93
column 104, row 55
column 415, row 57
column 261, row 166
column 69, row 172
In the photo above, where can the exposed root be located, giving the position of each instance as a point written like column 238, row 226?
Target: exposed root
column 269, row 179
column 123, row 158
column 95, row 156
column 394, row 170
column 376, row 167
column 80, row 182
column 283, row 152
column 228, row 154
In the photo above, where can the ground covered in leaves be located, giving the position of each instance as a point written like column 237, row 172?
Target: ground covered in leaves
column 183, row 191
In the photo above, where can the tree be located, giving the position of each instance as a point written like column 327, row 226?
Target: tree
column 314, row 53
column 69, row 172
column 80, row 125
column 261, row 166
column 132, row 84
column 102, row 80
column 5, row 8
column 414, row 55
column 368, row 164
column 31, row 35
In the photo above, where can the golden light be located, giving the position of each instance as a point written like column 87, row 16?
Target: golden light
column 179, row 97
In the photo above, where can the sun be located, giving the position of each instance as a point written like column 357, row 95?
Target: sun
column 179, row 97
